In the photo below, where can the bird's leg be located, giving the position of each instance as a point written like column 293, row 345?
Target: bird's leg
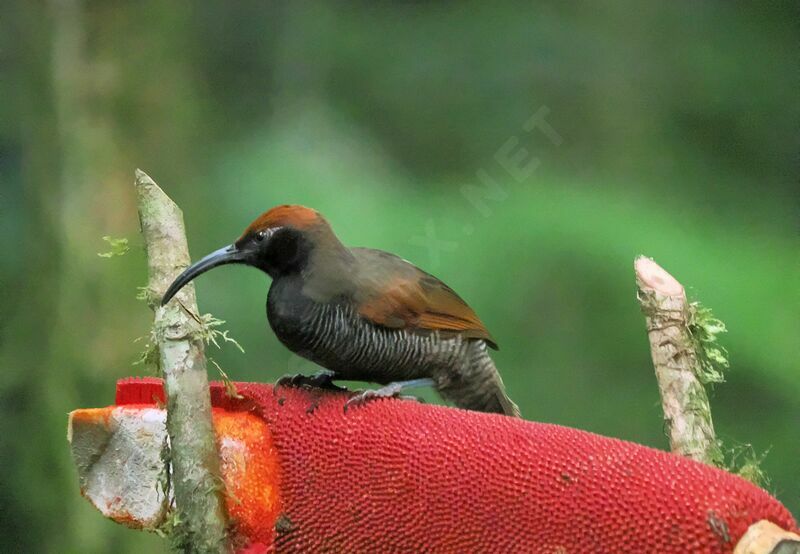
column 389, row 391
column 322, row 379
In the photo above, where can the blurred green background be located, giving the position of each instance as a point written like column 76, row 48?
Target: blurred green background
column 673, row 133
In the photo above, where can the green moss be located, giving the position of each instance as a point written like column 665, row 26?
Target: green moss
column 745, row 462
column 712, row 363
column 230, row 386
column 118, row 247
column 704, row 329
column 174, row 530
column 715, row 454
column 210, row 333
column 149, row 357
column 145, row 295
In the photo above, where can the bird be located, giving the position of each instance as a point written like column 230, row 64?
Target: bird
column 363, row 314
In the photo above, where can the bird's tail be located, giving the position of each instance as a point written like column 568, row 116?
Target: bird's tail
column 479, row 386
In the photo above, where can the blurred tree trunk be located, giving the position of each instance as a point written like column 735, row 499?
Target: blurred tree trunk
column 33, row 469
column 71, row 174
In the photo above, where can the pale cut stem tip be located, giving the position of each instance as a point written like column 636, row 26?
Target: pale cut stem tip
column 655, row 277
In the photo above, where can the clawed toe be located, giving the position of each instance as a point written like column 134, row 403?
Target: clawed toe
column 288, row 381
column 389, row 391
column 411, row 398
column 359, row 399
column 320, row 380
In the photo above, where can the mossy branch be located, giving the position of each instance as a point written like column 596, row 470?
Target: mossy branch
column 679, row 363
column 200, row 518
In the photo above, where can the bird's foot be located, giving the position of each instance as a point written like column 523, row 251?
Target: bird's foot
column 392, row 390
column 320, row 380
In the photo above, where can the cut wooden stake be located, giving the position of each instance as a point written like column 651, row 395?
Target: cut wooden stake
column 765, row 537
column 200, row 524
column 684, row 400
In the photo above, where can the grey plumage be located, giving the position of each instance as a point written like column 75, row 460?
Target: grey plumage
column 334, row 336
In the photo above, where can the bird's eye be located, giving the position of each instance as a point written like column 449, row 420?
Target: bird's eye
column 261, row 235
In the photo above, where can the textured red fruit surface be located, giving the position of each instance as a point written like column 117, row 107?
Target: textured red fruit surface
column 399, row 476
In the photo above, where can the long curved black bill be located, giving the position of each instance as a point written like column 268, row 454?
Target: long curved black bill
column 228, row 255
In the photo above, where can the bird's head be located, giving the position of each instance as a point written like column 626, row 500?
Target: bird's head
column 278, row 242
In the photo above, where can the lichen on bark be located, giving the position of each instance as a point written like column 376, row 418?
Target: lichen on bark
column 684, row 400
column 200, row 519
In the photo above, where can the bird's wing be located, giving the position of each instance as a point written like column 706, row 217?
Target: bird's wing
column 394, row 293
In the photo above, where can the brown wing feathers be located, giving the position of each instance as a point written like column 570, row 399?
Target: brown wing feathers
column 424, row 303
